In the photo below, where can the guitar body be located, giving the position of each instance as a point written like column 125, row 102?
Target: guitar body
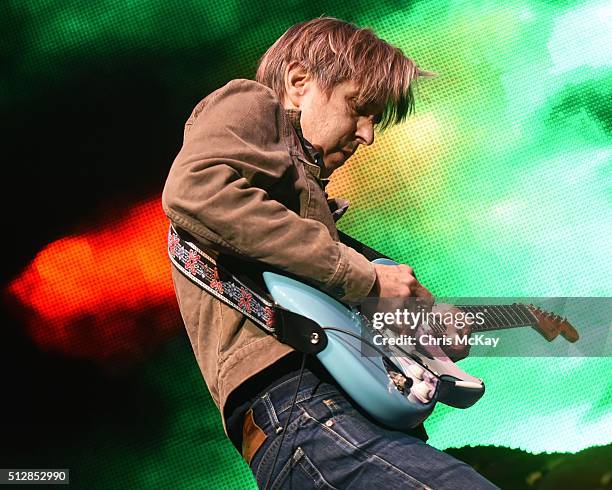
column 399, row 391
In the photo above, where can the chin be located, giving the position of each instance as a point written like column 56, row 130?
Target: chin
column 329, row 169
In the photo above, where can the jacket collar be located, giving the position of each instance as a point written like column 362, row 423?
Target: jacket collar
column 294, row 116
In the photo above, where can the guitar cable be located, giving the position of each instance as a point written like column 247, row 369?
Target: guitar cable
column 297, row 388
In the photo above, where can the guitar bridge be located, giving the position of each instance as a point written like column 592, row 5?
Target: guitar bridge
column 399, row 380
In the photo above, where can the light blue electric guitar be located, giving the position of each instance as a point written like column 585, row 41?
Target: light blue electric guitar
column 400, row 386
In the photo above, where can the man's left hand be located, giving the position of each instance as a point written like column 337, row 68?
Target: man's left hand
column 457, row 327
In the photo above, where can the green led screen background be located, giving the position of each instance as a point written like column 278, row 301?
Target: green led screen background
column 498, row 186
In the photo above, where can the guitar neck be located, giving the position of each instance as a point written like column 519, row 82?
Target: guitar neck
column 496, row 317
column 499, row 317
column 490, row 317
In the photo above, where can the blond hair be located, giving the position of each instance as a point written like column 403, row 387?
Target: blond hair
column 334, row 51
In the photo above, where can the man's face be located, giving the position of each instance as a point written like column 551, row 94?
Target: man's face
column 334, row 125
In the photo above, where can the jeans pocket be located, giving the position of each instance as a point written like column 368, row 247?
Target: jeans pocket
column 262, row 463
column 300, row 472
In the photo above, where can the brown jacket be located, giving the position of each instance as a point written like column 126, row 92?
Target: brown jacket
column 242, row 185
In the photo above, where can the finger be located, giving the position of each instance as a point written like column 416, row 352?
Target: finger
column 422, row 292
column 406, row 269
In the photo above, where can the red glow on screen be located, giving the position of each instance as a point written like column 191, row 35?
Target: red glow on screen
column 103, row 294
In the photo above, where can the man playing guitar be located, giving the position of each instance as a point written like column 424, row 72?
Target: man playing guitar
column 248, row 187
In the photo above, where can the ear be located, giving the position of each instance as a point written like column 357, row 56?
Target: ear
column 297, row 83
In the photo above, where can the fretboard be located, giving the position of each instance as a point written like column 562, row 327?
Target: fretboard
column 496, row 317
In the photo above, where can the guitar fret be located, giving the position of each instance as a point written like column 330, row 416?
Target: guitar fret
column 504, row 314
column 525, row 320
column 491, row 322
column 498, row 320
column 529, row 318
column 507, row 316
column 516, row 320
column 495, row 321
column 474, row 310
column 497, row 317
column 465, row 309
column 517, row 313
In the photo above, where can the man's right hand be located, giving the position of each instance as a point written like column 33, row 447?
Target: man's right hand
column 398, row 281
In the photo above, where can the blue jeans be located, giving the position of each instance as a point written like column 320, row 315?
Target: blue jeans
column 329, row 444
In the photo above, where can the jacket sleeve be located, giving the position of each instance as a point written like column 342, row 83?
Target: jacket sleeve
column 233, row 151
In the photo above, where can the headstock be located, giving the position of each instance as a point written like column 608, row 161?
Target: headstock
column 550, row 325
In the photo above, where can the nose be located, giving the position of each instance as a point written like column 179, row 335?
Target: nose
column 365, row 131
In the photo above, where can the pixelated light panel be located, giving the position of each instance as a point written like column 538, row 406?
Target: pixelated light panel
column 103, row 294
column 499, row 185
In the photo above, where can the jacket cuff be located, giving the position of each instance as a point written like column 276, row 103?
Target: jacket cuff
column 354, row 277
